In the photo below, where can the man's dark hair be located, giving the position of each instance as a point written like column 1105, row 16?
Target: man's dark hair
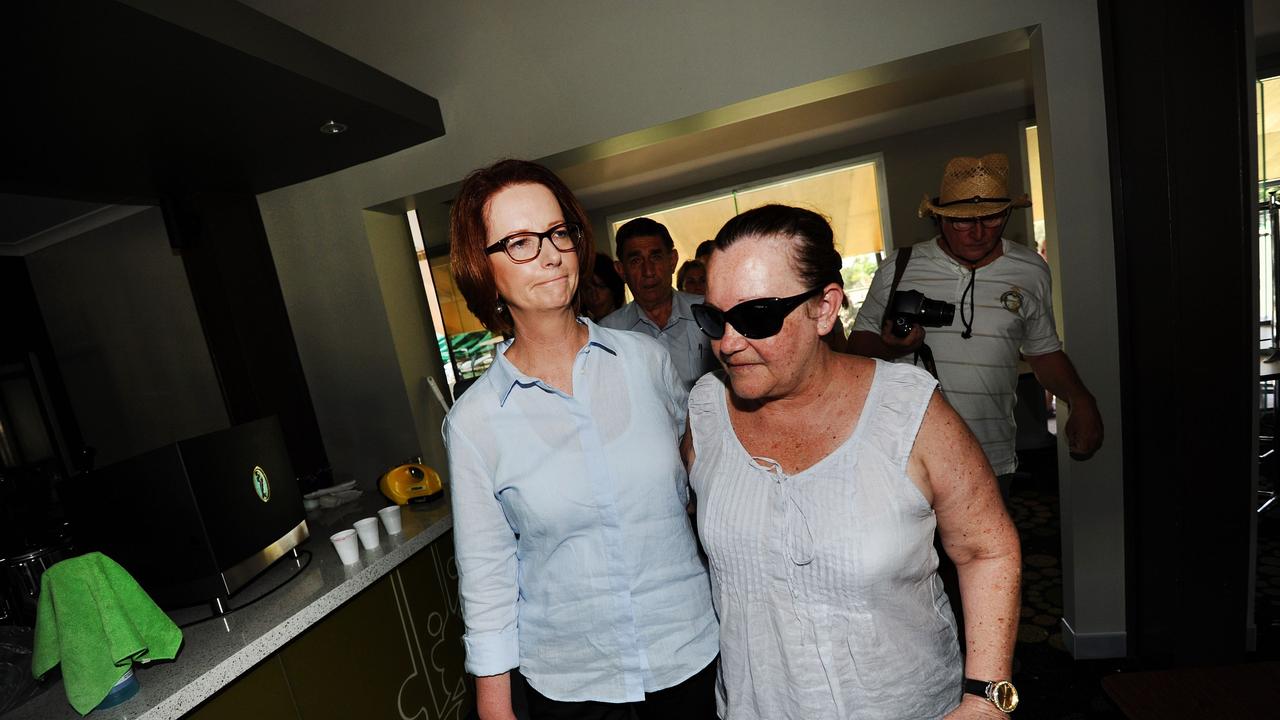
column 642, row 227
column 704, row 249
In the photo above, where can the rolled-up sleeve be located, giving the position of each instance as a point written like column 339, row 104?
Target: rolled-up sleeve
column 485, row 548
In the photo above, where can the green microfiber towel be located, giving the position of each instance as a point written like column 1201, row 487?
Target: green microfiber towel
column 94, row 618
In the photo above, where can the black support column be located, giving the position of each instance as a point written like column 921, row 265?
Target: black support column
column 1180, row 120
column 241, row 307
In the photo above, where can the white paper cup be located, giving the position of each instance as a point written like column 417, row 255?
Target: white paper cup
column 367, row 529
column 345, row 543
column 390, row 517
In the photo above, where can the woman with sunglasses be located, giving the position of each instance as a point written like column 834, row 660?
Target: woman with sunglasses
column 820, row 478
column 577, row 562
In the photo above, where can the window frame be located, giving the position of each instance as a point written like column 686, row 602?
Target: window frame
column 732, row 191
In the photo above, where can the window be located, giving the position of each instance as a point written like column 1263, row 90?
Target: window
column 1031, row 139
column 466, row 348
column 1268, row 124
column 849, row 195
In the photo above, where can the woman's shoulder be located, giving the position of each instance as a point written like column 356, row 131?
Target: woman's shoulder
column 708, row 407
column 887, row 370
column 708, row 390
column 473, row 406
column 895, row 382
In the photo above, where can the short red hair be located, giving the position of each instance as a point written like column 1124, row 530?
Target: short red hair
column 468, row 235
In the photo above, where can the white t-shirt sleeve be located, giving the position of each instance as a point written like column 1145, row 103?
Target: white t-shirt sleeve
column 1041, row 332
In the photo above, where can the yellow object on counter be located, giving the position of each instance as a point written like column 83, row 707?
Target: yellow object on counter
column 411, row 483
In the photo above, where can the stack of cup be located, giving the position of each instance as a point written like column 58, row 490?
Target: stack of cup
column 366, row 530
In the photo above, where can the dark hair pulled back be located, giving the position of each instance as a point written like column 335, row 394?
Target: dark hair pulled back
column 813, row 252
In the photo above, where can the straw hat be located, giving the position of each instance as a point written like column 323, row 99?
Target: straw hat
column 974, row 187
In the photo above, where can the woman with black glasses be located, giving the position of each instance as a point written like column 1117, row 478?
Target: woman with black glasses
column 820, row 479
column 577, row 563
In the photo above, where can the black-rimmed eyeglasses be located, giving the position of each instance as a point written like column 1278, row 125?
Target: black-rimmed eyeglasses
column 524, row 247
column 756, row 319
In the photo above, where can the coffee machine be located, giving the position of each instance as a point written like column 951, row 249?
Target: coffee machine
column 196, row 520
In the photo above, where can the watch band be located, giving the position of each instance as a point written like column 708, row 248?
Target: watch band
column 1000, row 693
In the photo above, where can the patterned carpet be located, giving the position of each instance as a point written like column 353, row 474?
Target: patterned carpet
column 1052, row 685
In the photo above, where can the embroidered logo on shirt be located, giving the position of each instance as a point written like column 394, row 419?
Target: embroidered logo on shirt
column 1012, row 300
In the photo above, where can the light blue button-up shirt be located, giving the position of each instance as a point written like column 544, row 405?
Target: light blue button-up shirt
column 689, row 348
column 576, row 559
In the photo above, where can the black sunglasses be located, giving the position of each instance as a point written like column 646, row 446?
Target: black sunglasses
column 756, row 319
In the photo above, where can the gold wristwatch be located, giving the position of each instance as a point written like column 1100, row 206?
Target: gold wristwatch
column 1000, row 693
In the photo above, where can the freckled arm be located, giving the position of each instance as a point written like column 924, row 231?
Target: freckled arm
column 977, row 534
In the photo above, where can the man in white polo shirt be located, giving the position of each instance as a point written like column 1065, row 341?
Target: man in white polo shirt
column 1003, row 307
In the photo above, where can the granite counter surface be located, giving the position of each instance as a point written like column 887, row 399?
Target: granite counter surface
column 218, row 650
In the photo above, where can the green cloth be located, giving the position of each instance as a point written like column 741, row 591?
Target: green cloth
column 94, row 618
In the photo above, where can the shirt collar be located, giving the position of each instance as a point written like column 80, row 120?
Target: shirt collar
column 682, row 304
column 933, row 250
column 505, row 377
column 681, row 308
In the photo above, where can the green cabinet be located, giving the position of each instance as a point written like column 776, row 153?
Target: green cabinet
column 392, row 651
column 262, row 692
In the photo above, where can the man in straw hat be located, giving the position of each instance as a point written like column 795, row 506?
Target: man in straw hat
column 1002, row 293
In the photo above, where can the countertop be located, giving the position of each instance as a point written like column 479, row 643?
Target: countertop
column 217, row 651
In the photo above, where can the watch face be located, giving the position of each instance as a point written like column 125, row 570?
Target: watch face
column 1003, row 695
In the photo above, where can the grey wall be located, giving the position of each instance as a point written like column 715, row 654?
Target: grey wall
column 127, row 339
column 913, row 165
column 412, row 332
column 632, row 66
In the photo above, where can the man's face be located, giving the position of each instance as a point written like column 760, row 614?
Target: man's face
column 970, row 240
column 647, row 265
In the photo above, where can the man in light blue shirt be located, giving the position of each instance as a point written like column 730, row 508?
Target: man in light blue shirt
column 580, row 565
column 647, row 259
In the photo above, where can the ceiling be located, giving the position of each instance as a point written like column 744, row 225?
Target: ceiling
column 132, row 101
column 925, row 92
column 977, row 78
column 231, row 70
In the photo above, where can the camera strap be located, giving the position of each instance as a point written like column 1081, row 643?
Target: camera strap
column 924, row 354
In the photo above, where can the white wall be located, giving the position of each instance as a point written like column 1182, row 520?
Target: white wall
column 533, row 79
column 412, row 332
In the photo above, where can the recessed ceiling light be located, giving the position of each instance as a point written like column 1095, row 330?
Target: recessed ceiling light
column 333, row 128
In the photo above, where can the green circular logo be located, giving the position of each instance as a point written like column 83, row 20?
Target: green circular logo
column 261, row 485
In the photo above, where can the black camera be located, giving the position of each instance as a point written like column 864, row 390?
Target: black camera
column 911, row 307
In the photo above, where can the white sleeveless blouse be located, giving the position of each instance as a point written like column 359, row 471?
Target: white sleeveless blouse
column 826, row 581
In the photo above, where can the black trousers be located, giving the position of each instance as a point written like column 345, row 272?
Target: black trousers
column 694, row 698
